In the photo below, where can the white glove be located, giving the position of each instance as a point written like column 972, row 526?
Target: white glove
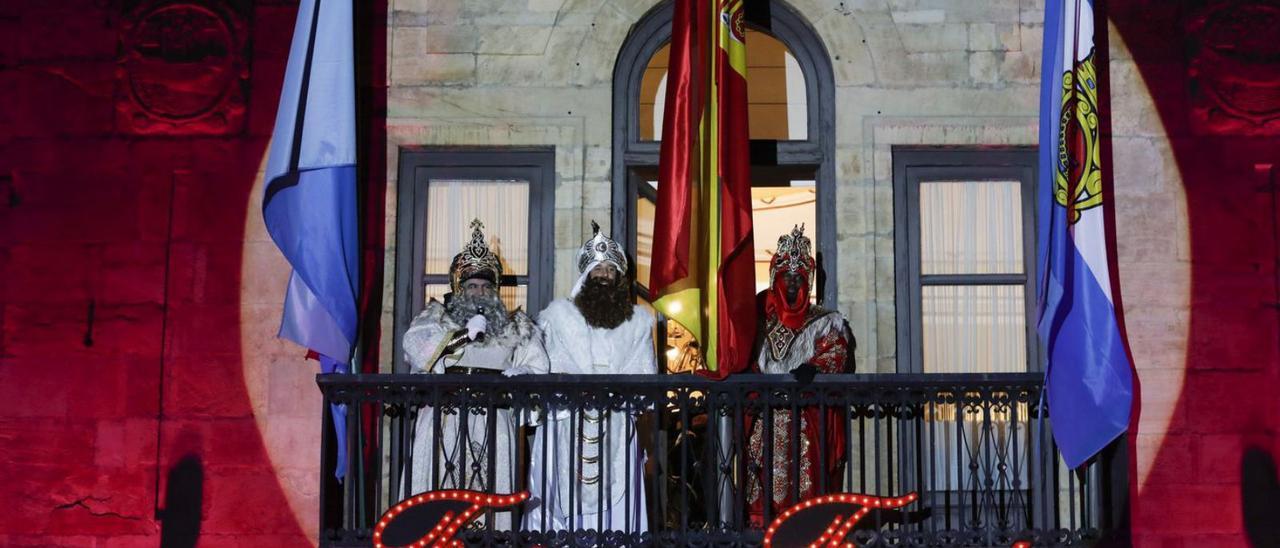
column 513, row 371
column 476, row 325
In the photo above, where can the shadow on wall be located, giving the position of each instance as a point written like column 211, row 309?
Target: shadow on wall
column 183, row 497
column 1260, row 497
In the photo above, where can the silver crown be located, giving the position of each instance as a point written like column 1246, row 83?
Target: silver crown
column 601, row 248
column 794, row 254
column 475, row 259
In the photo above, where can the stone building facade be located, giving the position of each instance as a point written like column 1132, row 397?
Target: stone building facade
column 541, row 73
column 906, row 73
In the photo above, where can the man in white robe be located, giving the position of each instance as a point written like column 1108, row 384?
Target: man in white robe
column 471, row 333
column 586, row 466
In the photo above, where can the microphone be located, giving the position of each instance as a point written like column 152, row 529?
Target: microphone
column 480, row 336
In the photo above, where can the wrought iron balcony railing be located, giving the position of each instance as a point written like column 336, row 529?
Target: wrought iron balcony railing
column 976, row 449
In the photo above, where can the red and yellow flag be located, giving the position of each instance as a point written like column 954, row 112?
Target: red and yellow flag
column 703, row 254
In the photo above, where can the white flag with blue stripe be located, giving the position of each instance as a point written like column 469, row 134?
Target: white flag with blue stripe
column 309, row 204
column 1089, row 380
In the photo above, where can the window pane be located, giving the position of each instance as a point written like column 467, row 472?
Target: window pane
column 776, row 103
column 512, row 296
column 653, row 95
column 503, row 207
column 774, row 212
column 974, row 329
column 777, row 107
column 971, row 227
column 645, row 210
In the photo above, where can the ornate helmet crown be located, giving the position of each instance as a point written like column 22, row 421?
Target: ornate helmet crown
column 475, row 260
column 601, row 248
column 794, row 255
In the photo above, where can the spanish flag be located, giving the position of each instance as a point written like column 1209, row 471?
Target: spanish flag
column 703, row 253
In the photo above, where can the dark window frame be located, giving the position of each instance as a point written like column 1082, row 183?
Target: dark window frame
column 913, row 165
column 632, row 157
column 417, row 166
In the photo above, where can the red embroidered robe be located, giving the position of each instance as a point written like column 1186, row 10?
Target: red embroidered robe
column 823, row 340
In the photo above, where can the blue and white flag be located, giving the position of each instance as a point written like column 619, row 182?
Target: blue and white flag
column 1089, row 380
column 309, row 204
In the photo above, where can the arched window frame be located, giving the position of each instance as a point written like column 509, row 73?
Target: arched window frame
column 784, row 23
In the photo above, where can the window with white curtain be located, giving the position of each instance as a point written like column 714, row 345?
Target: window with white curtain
column 965, row 250
column 964, row 238
column 441, row 190
column 971, row 228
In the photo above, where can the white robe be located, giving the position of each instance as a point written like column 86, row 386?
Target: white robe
column 463, row 453
column 602, row 486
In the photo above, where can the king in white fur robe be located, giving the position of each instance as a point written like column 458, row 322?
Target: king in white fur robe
column 586, row 467
column 459, row 457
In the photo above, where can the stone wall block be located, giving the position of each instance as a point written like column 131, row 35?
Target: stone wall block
column 443, row 38
column 927, row 68
column 994, row 37
column 1031, row 11
column 846, row 43
column 984, row 66
column 919, row 16
column 999, row 11
column 513, row 40
column 1020, row 67
column 59, row 34
column 125, row 444
column 456, row 69
column 237, row 506
column 935, row 37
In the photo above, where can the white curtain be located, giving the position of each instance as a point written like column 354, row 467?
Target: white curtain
column 503, row 207
column 972, row 228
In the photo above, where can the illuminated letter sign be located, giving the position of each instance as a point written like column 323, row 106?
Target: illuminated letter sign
column 433, row 518
column 827, row 520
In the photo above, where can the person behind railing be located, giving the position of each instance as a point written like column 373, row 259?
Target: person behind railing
column 586, row 469
column 471, row 333
column 800, row 338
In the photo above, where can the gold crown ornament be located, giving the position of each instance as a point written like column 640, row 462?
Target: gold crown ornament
column 475, row 260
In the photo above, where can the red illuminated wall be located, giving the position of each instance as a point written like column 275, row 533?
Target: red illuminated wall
column 1213, row 70
column 124, row 179
column 127, row 155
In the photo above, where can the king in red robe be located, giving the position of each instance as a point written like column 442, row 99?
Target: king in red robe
column 800, row 338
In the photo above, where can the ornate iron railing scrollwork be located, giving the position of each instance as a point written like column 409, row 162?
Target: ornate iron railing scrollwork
column 976, row 448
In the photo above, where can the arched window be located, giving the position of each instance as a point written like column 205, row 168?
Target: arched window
column 791, row 109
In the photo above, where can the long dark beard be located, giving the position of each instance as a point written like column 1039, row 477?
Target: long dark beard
column 461, row 307
column 603, row 304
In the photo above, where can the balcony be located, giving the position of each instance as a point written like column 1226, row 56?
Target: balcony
column 976, row 450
